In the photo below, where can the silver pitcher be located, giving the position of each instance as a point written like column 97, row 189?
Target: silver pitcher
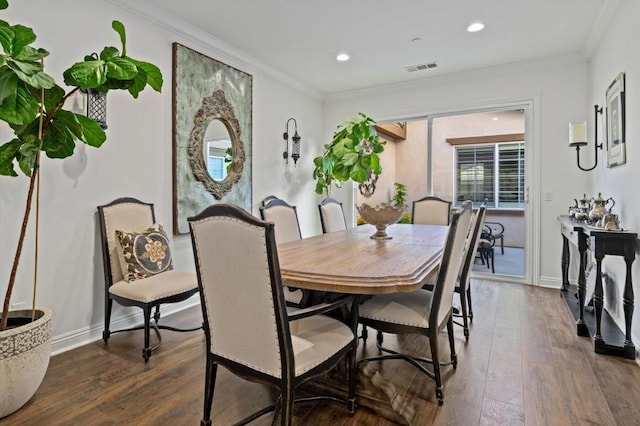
column 599, row 208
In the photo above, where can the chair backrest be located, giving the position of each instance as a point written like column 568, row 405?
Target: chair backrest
column 471, row 246
column 331, row 215
column 124, row 214
column 285, row 217
column 431, row 211
column 269, row 198
column 241, row 293
column 452, row 257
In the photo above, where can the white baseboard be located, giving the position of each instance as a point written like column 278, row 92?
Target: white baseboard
column 83, row 336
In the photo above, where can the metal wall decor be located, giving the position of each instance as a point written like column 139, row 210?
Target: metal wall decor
column 212, row 105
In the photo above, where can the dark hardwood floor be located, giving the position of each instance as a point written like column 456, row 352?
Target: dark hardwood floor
column 523, row 364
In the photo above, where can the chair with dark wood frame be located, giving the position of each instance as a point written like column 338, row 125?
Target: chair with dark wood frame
column 248, row 328
column 423, row 312
column 171, row 286
column 287, row 228
column 332, row 215
column 463, row 287
column 431, row 210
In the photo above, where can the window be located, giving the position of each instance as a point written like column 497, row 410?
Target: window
column 491, row 172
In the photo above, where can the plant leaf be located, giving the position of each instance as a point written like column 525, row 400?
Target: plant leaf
column 4, row 4
column 139, row 83
column 92, row 133
column 39, row 80
column 58, row 142
column 109, row 52
column 154, row 75
column 6, row 37
column 52, row 97
column 8, row 84
column 23, row 36
column 8, row 152
column 67, row 122
column 121, row 69
column 119, row 28
column 21, row 108
column 87, row 74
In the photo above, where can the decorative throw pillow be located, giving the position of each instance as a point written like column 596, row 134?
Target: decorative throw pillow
column 145, row 253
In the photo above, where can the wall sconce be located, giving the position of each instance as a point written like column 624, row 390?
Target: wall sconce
column 97, row 106
column 578, row 137
column 295, row 145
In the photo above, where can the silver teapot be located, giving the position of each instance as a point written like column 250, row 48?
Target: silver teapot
column 599, row 208
column 584, row 203
column 610, row 221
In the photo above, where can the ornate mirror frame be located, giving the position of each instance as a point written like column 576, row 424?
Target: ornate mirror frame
column 215, row 107
column 205, row 90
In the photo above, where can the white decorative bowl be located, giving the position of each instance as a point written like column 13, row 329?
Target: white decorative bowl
column 380, row 216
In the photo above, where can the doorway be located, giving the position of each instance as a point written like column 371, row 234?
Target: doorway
column 482, row 155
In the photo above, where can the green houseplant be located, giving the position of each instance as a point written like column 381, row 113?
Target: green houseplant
column 32, row 105
column 353, row 154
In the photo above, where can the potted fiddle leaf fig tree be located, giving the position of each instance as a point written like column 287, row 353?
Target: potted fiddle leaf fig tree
column 32, row 105
column 353, row 154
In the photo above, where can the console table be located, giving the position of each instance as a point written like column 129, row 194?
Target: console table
column 607, row 337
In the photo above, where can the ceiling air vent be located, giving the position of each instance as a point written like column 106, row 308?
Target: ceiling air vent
column 422, row 67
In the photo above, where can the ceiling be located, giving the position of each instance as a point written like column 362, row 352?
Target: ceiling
column 301, row 38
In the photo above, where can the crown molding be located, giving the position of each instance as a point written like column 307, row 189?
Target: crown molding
column 219, row 48
column 607, row 12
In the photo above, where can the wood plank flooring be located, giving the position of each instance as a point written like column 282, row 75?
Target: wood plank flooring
column 523, row 365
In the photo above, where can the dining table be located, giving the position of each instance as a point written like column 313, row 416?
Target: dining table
column 350, row 262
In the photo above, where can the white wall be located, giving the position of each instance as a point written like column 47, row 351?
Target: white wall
column 557, row 87
column 135, row 161
column 618, row 52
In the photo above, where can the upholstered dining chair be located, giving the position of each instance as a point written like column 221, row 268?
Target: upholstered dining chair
column 423, row 312
column 463, row 286
column 431, row 210
column 287, row 228
column 138, row 269
column 248, row 328
column 331, row 215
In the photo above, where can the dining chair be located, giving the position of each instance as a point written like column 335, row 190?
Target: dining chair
column 138, row 270
column 423, row 312
column 431, row 210
column 248, row 328
column 287, row 228
column 331, row 215
column 463, row 286
column 496, row 229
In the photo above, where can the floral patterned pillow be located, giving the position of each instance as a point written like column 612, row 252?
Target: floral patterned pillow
column 145, row 253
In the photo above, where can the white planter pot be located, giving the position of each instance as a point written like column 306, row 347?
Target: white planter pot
column 24, row 358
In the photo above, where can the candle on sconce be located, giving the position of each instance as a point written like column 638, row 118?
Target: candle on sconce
column 577, row 132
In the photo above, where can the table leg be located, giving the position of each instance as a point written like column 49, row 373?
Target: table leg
column 582, row 328
column 627, row 302
column 565, row 263
column 598, row 301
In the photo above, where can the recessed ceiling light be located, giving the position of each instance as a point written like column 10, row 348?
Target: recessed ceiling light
column 342, row 57
column 476, row 26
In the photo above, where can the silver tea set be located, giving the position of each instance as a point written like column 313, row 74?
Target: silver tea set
column 594, row 212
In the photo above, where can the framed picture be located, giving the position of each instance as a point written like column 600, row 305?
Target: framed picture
column 616, row 152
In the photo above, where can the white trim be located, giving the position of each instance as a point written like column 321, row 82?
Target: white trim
column 83, row 336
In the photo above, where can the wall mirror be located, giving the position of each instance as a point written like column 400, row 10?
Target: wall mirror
column 216, row 151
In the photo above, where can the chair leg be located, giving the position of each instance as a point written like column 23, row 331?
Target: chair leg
column 209, row 387
column 106, row 333
column 146, row 351
column 351, row 400
column 286, row 405
column 502, row 245
column 452, row 343
column 490, row 254
column 465, row 315
column 364, row 333
column 433, row 342
column 469, row 302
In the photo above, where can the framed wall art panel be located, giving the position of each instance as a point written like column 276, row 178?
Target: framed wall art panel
column 212, row 135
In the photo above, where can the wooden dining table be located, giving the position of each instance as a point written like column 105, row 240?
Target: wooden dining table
column 351, row 262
